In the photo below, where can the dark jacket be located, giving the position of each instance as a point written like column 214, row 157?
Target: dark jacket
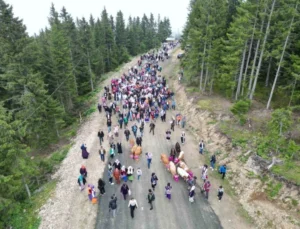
column 113, row 204
column 213, row 159
column 101, row 183
column 139, row 140
column 151, row 197
column 192, row 193
column 127, row 132
column 124, row 189
column 101, row 134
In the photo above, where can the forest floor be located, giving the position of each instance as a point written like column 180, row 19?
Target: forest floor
column 70, row 208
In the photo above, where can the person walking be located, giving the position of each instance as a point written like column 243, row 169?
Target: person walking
column 101, row 136
column 220, row 193
column 168, row 135
column 108, row 123
column 134, row 129
column 168, row 191
column 127, row 133
column 121, row 120
column 101, row 186
column 83, row 171
column 119, row 147
column 142, row 128
column 182, row 138
column 113, row 205
column 110, row 173
column 151, row 198
column 183, row 122
column 130, row 171
column 154, row 180
column 102, row 153
column 152, row 126
column 213, row 161
column 132, row 205
column 139, row 173
column 117, row 175
column 149, row 159
column 201, row 147
column 192, row 194
column 125, row 121
column 204, row 171
column 84, row 152
column 223, row 170
column 172, row 124
column 112, row 152
column 99, row 108
column 124, row 190
column 139, row 141
column 206, row 188
column 81, row 181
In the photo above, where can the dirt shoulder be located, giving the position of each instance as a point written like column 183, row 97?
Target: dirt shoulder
column 68, row 207
column 247, row 202
column 228, row 209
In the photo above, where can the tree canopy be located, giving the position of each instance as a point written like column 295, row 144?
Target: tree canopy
column 43, row 81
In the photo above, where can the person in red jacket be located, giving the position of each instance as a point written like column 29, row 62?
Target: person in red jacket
column 206, row 188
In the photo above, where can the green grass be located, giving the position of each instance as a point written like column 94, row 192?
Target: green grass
column 239, row 137
column 90, row 111
column 26, row 216
column 212, row 122
column 71, row 131
column 294, row 202
column 273, row 189
column 192, row 89
column 289, row 170
column 60, row 155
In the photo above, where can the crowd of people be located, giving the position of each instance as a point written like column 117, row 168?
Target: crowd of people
column 140, row 96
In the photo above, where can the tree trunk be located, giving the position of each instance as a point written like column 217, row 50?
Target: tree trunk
column 238, row 90
column 202, row 66
column 253, row 67
column 262, row 51
column 249, row 55
column 73, row 70
column 255, row 56
column 204, row 53
column 268, row 73
column 281, row 59
column 90, row 70
column 212, row 80
column 206, row 77
column 26, row 187
column 293, row 90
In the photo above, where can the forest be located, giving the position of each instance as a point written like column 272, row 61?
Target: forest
column 44, row 81
column 249, row 52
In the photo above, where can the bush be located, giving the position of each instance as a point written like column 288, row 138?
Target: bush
column 240, row 108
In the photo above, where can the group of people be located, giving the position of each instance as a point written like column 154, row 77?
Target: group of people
column 140, row 96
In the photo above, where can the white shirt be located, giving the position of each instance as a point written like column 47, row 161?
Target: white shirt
column 132, row 203
column 139, row 172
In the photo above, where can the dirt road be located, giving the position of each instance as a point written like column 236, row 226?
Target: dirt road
column 177, row 213
column 68, row 207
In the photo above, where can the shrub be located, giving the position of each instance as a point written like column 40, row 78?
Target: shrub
column 240, row 108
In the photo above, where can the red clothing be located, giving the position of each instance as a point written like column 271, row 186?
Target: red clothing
column 207, row 186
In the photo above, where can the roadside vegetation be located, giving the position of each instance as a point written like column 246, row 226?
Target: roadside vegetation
column 49, row 83
column 252, row 60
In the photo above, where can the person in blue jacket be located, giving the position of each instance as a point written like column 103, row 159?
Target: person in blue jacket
column 222, row 170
